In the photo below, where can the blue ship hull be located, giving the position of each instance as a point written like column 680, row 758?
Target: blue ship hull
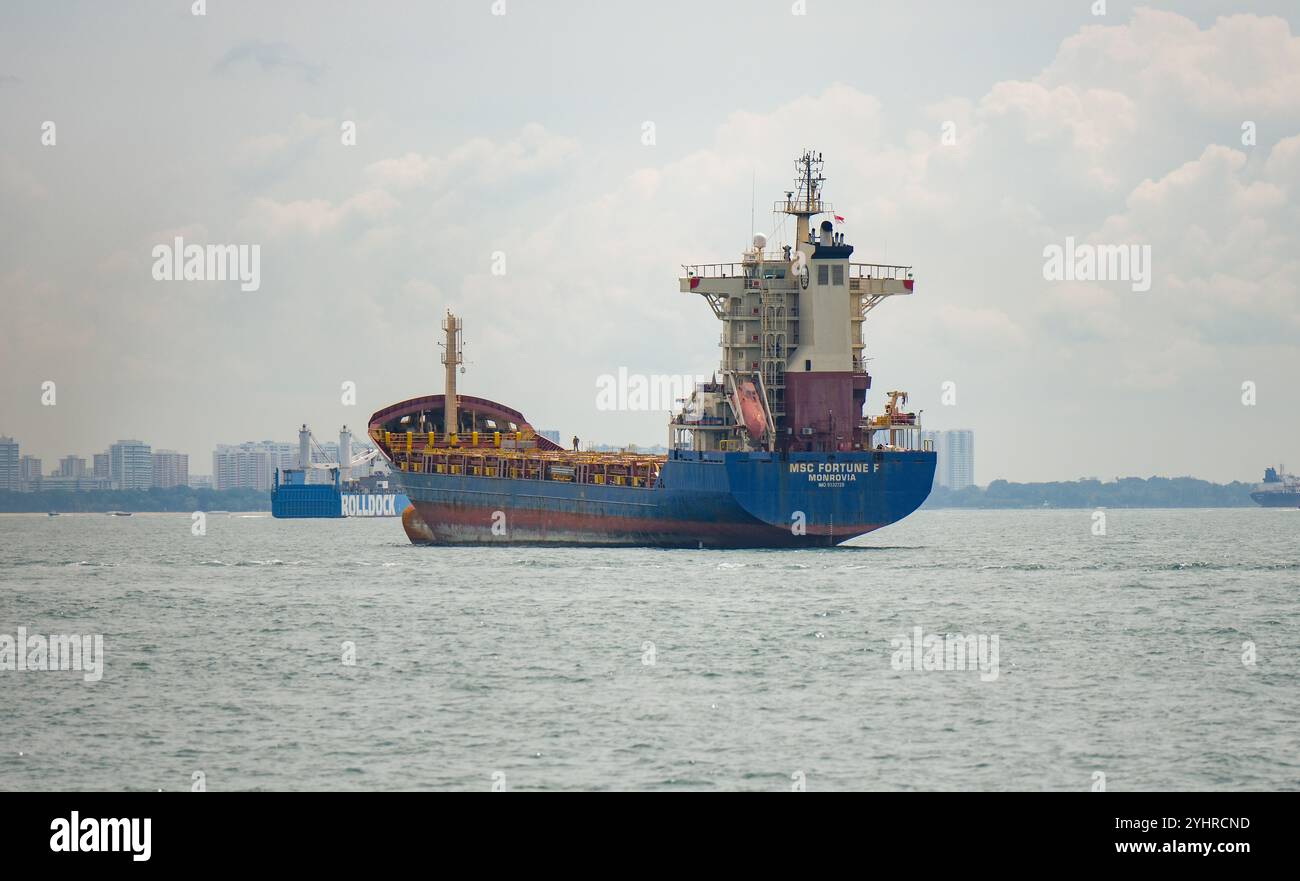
column 1277, row 499
column 702, row 499
column 315, row 501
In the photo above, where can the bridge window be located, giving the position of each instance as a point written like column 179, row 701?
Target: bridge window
column 823, row 274
column 838, row 275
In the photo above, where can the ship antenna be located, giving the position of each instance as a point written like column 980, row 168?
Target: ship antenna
column 805, row 200
column 753, row 184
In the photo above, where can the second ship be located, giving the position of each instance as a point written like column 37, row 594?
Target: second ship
column 1278, row 489
column 335, row 492
column 773, row 452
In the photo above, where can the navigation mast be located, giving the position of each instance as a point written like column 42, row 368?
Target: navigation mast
column 805, row 200
column 452, row 356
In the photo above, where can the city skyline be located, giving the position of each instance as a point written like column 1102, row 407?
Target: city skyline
column 1162, row 142
column 283, row 449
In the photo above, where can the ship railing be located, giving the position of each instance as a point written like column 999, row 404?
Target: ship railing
column 879, row 270
column 714, row 270
column 752, row 270
column 895, row 420
column 416, row 441
column 802, row 206
column 749, row 271
column 613, row 457
column 882, row 434
column 601, row 469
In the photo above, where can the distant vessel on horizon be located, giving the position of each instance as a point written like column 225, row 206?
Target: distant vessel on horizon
column 294, row 497
column 1278, row 490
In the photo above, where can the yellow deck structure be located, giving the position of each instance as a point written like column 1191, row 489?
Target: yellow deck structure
column 514, row 456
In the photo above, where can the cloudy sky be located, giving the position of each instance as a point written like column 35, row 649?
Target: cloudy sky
column 1173, row 125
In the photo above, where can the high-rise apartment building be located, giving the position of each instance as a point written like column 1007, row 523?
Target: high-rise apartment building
column 170, row 469
column 9, row 459
column 130, row 464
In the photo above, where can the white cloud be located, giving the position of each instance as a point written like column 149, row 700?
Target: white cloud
column 316, row 217
column 278, row 151
column 478, row 161
column 1241, row 63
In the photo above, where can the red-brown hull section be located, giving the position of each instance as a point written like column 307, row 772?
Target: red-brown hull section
column 432, row 523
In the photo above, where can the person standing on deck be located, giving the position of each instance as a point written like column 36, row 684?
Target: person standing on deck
column 575, row 443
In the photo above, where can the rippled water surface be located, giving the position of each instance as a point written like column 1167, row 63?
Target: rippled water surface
column 1120, row 654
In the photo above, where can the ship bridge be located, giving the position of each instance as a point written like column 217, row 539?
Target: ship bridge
column 792, row 326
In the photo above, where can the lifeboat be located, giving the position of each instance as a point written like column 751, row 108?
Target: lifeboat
column 750, row 407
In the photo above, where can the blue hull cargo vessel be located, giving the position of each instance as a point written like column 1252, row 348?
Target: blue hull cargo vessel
column 1278, row 490
column 293, row 496
column 773, row 451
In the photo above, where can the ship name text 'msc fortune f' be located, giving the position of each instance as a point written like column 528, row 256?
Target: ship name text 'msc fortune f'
column 773, row 451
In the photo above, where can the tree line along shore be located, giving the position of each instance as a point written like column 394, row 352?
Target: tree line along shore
column 1125, row 492
column 180, row 499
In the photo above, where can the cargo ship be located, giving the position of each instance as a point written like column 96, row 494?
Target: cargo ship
column 772, row 451
column 1278, row 489
column 295, row 496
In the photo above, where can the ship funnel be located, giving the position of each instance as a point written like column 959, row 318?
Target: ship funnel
column 345, row 454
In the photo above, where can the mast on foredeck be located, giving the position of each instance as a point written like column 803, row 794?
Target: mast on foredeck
column 452, row 357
